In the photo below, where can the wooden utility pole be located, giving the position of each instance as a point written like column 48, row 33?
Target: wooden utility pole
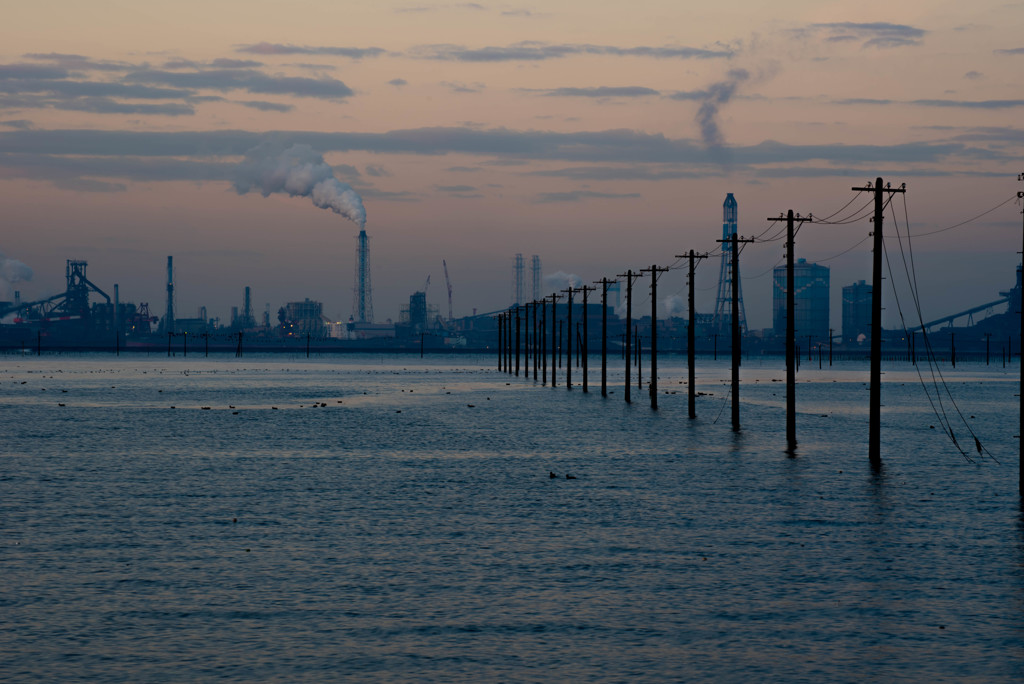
column 604, row 335
column 654, row 271
column 554, row 344
column 526, row 341
column 536, row 361
column 518, row 340
column 585, row 347
column 691, row 358
column 544, row 340
column 736, row 339
column 791, row 221
column 501, row 342
column 568, row 354
column 1020, row 426
column 628, row 275
column 875, row 410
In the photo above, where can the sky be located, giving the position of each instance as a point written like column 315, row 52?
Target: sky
column 599, row 136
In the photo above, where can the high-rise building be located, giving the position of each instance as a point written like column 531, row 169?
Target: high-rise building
column 856, row 311
column 810, row 298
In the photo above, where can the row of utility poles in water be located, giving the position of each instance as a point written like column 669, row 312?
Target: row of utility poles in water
column 514, row 323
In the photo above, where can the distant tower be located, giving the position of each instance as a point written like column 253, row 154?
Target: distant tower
column 517, row 283
column 723, row 303
column 247, row 320
column 535, row 276
column 167, row 325
column 363, row 304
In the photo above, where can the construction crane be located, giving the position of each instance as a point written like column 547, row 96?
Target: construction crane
column 448, row 282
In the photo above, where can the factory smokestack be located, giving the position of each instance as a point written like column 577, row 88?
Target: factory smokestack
column 168, row 323
column 298, row 172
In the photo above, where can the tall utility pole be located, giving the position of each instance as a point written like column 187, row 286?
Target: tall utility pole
column 517, row 340
column 654, row 271
column 734, row 242
column 585, row 347
column 628, row 275
column 501, row 342
column 526, row 340
column 791, row 221
column 1020, row 305
column 604, row 336
column 568, row 354
column 536, row 361
column 691, row 359
column 544, row 340
column 875, row 411
column 554, row 331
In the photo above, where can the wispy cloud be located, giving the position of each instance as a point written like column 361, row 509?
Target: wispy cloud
column 601, row 92
column 536, row 51
column 249, row 80
column 878, row 34
column 1009, row 51
column 581, row 195
column 267, row 106
column 962, row 104
column 282, row 49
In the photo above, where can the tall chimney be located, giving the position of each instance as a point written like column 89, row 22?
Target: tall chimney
column 169, row 316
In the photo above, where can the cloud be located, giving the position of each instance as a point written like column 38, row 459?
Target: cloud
column 94, row 105
column 620, row 173
column 20, row 124
column 974, row 75
column 77, row 62
column 964, row 104
column 455, row 188
column 224, row 63
column 1009, row 51
column 398, row 82
column 535, row 51
column 602, row 91
column 377, row 171
column 121, row 152
column 281, row 49
column 462, row 87
column 877, row 34
column 21, row 71
column 581, row 195
column 267, row 106
column 244, row 79
column 65, row 88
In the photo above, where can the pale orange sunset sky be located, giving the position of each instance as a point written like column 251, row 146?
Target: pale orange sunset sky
column 601, row 136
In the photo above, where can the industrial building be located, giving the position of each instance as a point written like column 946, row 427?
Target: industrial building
column 856, row 312
column 810, row 295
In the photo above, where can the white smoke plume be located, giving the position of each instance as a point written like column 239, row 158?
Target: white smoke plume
column 718, row 94
column 674, row 305
column 299, row 172
column 12, row 272
column 556, row 282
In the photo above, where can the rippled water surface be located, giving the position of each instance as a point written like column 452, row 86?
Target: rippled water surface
column 392, row 519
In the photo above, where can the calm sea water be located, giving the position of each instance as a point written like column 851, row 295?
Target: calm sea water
column 392, row 519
